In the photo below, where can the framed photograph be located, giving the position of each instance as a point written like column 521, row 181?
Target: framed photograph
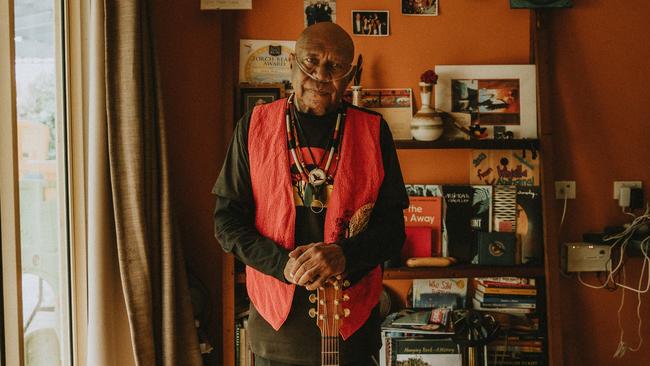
column 395, row 105
column 226, row 4
column 250, row 95
column 317, row 11
column 420, row 7
column 494, row 96
column 370, row 23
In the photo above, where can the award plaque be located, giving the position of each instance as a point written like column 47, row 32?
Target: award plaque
column 264, row 61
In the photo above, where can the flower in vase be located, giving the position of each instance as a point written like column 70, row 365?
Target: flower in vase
column 429, row 77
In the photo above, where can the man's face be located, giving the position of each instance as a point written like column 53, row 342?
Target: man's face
column 319, row 97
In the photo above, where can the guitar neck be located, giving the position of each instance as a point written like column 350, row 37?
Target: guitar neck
column 329, row 350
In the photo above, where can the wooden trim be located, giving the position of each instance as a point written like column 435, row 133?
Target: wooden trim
column 230, row 50
column 9, row 206
column 463, row 270
column 469, row 144
column 76, row 105
column 551, row 247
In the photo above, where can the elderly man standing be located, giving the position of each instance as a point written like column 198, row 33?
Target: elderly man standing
column 296, row 173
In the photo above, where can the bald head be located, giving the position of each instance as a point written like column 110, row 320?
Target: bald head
column 326, row 36
column 326, row 50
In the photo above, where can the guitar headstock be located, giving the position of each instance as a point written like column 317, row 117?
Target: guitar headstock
column 329, row 310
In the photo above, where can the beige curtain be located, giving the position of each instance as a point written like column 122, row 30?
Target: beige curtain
column 139, row 312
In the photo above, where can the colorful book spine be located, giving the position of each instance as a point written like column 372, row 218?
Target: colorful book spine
column 424, row 229
column 506, row 290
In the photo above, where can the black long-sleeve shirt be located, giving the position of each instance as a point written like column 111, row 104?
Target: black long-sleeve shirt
column 235, row 230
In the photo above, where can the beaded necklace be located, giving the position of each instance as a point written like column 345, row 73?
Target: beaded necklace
column 315, row 178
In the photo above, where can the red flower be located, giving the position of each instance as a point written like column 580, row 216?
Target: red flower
column 429, row 77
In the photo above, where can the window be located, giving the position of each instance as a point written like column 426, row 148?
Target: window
column 41, row 182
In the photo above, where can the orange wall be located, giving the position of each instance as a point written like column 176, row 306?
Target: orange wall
column 601, row 134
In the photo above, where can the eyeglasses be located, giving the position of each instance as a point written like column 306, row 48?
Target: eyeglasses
column 309, row 65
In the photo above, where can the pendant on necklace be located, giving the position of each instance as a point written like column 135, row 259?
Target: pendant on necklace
column 316, row 206
column 317, row 177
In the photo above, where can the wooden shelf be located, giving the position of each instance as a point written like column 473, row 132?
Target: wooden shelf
column 469, row 144
column 462, row 270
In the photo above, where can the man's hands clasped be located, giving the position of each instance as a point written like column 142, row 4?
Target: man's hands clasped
column 314, row 264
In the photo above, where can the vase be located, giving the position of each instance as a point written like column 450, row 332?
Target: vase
column 426, row 124
column 356, row 95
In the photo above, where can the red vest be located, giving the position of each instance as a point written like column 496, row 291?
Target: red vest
column 358, row 178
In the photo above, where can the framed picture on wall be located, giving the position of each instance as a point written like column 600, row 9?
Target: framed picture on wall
column 370, row 23
column 250, row 95
column 492, row 96
column 421, row 8
column 226, row 4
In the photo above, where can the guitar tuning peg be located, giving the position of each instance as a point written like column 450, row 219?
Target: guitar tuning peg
column 312, row 313
column 312, row 298
column 346, row 283
column 346, row 297
column 346, row 312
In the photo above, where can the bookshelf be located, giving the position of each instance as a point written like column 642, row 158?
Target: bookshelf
column 399, row 277
column 462, row 270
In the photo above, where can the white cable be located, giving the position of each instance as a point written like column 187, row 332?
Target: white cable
column 564, row 210
column 627, row 213
column 622, row 347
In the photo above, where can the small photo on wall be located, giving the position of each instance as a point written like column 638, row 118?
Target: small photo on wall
column 420, row 7
column 317, row 11
column 370, row 22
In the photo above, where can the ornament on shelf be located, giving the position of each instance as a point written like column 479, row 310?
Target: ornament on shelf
column 427, row 124
column 356, row 82
column 478, row 132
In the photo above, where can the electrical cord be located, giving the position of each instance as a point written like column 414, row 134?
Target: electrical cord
column 564, row 210
column 622, row 240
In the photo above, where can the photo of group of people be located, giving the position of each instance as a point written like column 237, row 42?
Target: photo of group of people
column 420, row 7
column 317, row 11
column 370, row 22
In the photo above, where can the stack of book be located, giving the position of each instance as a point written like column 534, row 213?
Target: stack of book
column 513, row 295
column 517, row 349
column 418, row 337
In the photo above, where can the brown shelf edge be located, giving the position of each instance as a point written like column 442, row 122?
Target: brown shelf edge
column 469, row 144
column 467, row 270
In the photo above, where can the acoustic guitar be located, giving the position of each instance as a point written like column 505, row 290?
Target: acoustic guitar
column 329, row 314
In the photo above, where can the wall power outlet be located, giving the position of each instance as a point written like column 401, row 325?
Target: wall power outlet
column 565, row 189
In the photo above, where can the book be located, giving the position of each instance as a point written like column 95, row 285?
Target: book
column 468, row 210
column 529, row 224
column 505, row 305
column 425, row 351
column 421, row 317
column 505, row 208
column 504, row 299
column 423, row 221
column 504, row 167
column 510, row 310
column 439, row 292
column 505, row 290
column 518, row 282
column 396, row 330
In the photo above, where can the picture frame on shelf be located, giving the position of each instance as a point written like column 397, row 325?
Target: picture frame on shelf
column 251, row 94
column 394, row 104
column 491, row 96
